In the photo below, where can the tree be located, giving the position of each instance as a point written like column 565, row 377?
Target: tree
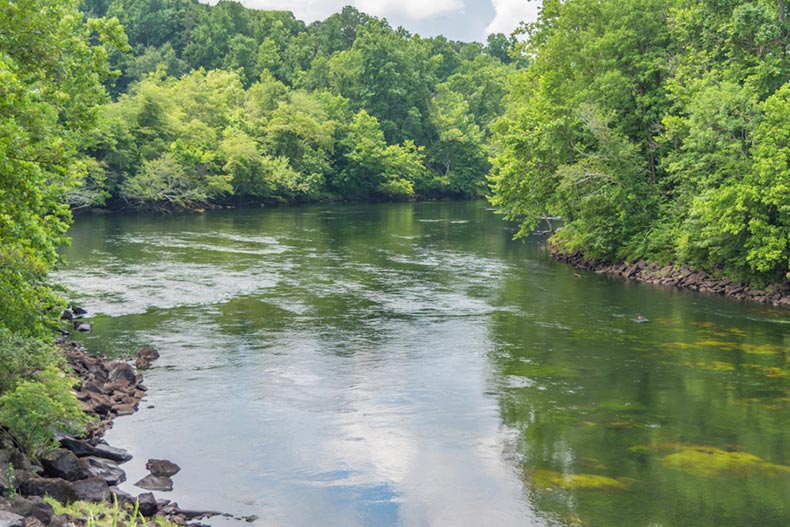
column 52, row 63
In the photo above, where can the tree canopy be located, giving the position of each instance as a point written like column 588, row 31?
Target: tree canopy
column 656, row 129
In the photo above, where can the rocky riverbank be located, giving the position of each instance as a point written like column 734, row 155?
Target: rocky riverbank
column 682, row 277
column 86, row 468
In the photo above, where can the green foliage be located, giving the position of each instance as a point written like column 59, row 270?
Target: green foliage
column 51, row 66
column 21, row 356
column 656, row 130
column 347, row 108
column 35, row 410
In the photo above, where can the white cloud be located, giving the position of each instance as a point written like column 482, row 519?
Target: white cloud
column 310, row 10
column 307, row 10
column 510, row 13
column 411, row 9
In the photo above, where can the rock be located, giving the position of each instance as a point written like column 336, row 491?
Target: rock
column 9, row 519
column 96, row 403
column 92, row 489
column 151, row 482
column 162, row 467
column 59, row 489
column 60, row 520
column 84, row 449
column 20, row 461
column 126, row 409
column 146, row 504
column 68, row 314
column 145, row 357
column 121, row 496
column 83, row 327
column 105, row 469
column 62, row 463
column 77, row 310
column 119, row 455
column 121, row 371
column 33, row 507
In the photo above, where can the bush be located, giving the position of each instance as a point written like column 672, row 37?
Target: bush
column 22, row 356
column 35, row 410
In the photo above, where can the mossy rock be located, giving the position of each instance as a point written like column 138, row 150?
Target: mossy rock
column 711, row 462
column 547, row 479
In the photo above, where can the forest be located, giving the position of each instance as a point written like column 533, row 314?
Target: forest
column 224, row 104
column 657, row 129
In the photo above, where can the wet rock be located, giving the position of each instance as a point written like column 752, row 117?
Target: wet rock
column 121, row 371
column 60, row 489
column 83, row 327
column 145, row 357
column 147, row 504
column 151, row 482
column 62, row 463
column 105, row 469
column 119, row 455
column 83, row 449
column 162, row 467
column 92, row 489
column 9, row 519
column 126, row 409
column 96, row 403
column 79, row 311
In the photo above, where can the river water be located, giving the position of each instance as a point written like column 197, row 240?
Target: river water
column 411, row 365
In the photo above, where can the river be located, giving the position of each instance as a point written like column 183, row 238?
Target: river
column 412, row 365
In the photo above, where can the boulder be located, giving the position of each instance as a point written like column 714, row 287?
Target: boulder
column 119, row 455
column 84, row 449
column 145, row 357
column 9, row 519
column 33, row 507
column 83, row 327
column 151, row 482
column 59, row 489
column 96, row 403
column 121, row 375
column 121, row 496
column 105, row 469
column 146, row 504
column 92, row 489
column 162, row 467
column 62, row 463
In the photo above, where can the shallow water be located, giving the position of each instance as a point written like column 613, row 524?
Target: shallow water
column 411, row 365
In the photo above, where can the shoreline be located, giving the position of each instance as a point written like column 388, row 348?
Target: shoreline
column 87, row 468
column 681, row 277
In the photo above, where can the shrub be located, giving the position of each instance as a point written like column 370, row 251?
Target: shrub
column 35, row 410
column 22, row 356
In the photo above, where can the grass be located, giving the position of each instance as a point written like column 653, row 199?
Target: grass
column 107, row 514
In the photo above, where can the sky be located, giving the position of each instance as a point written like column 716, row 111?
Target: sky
column 465, row 20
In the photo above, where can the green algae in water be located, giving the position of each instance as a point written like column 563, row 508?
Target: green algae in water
column 711, row 462
column 547, row 479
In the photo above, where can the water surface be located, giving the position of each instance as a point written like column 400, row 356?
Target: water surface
column 411, row 365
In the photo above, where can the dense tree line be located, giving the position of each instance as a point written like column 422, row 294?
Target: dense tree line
column 52, row 65
column 657, row 129
column 226, row 104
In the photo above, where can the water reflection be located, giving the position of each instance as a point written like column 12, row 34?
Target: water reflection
column 411, row 365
